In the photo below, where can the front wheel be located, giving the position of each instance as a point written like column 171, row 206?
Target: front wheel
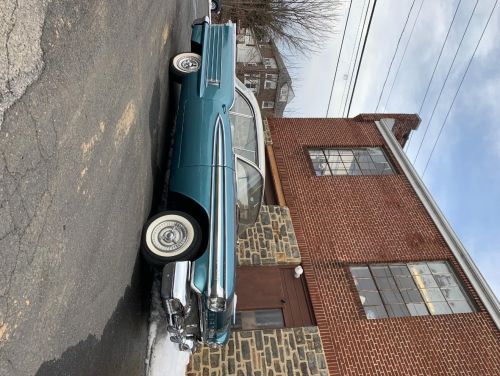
column 214, row 6
column 185, row 63
column 171, row 236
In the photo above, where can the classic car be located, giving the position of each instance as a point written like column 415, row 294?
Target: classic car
column 215, row 189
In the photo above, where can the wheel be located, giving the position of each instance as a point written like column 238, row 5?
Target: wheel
column 185, row 63
column 214, row 6
column 171, row 236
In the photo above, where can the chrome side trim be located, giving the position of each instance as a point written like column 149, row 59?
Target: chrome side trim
column 213, row 68
column 216, row 286
column 470, row 269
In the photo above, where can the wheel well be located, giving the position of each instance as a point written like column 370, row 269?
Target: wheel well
column 196, row 47
column 178, row 201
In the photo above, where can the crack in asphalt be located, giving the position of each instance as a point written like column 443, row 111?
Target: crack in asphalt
column 7, row 39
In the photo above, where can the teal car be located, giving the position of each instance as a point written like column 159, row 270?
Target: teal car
column 216, row 187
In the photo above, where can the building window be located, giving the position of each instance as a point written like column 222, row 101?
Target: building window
column 415, row 289
column 270, row 82
column 267, row 104
column 362, row 161
column 252, row 81
column 284, row 93
column 269, row 62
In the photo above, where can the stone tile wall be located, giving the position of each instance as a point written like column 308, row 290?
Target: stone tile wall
column 271, row 241
column 271, row 352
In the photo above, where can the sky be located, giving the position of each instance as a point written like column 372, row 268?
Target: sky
column 463, row 174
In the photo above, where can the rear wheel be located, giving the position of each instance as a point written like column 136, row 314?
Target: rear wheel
column 185, row 63
column 171, row 236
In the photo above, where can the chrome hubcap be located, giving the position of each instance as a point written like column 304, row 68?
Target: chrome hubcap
column 169, row 236
column 189, row 64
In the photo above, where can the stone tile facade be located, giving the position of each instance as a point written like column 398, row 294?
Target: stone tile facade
column 271, row 352
column 271, row 241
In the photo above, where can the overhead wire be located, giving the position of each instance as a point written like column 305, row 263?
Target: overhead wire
column 459, row 86
column 361, row 57
column 338, row 59
column 355, row 59
column 361, row 25
column 435, row 67
column 445, row 81
column 403, row 56
column 394, row 55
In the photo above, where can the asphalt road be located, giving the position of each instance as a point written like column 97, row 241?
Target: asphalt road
column 84, row 94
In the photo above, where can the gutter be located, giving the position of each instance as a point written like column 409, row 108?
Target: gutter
column 470, row 269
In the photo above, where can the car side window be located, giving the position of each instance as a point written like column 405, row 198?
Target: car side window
column 249, row 188
column 243, row 129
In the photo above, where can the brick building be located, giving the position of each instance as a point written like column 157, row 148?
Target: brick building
column 387, row 288
column 260, row 66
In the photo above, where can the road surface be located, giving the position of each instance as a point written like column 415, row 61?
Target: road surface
column 84, row 98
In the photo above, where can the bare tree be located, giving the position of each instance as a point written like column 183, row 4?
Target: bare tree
column 301, row 25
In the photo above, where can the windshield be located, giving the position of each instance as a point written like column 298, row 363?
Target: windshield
column 243, row 128
column 249, row 188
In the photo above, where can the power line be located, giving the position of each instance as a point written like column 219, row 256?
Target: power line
column 361, row 57
column 394, row 55
column 338, row 59
column 354, row 49
column 459, row 86
column 403, row 57
column 356, row 58
column 444, row 82
column 435, row 67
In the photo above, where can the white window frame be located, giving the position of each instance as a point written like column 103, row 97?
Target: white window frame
column 267, row 105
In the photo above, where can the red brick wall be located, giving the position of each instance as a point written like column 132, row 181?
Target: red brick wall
column 341, row 220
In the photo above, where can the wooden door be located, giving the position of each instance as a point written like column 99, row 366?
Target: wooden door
column 265, row 292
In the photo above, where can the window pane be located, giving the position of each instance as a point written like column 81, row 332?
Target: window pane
column 344, row 152
column 460, row 306
column 439, row 308
column 380, row 271
column 259, row 319
column 331, row 152
column 244, row 137
column 432, row 295
column 438, row 267
column 418, row 309
column 412, row 296
column 386, row 283
column 370, row 298
column 240, row 105
column 453, row 293
column 445, row 280
column 399, row 270
column 365, row 284
column 334, row 159
column 425, row 281
column 318, row 158
column 397, row 310
column 249, row 186
column 391, row 297
column 339, row 172
column 405, row 283
column 420, row 268
column 360, row 271
column 375, row 312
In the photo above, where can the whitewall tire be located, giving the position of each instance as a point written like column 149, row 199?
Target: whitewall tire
column 185, row 63
column 171, row 236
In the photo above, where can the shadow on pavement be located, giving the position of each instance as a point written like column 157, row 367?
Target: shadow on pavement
column 119, row 350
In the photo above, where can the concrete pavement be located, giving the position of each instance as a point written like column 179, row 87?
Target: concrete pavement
column 82, row 140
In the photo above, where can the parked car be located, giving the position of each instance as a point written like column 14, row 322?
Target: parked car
column 215, row 189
